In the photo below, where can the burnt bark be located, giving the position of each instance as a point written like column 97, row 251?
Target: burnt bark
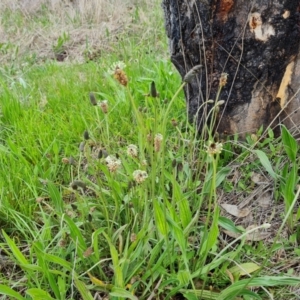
column 255, row 42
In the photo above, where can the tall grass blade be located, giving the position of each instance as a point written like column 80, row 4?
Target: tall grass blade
column 56, row 197
column 38, row 247
column 122, row 293
column 75, row 233
column 52, row 258
column 15, row 250
column 289, row 143
column 7, row 291
column 83, row 290
column 119, row 282
column 290, row 185
column 233, row 290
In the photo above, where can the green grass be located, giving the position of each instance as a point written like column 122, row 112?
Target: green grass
column 71, row 229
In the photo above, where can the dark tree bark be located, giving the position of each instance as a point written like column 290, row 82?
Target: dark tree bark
column 255, row 42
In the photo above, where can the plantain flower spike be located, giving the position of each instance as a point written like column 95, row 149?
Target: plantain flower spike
column 191, row 73
column 140, row 176
column 223, row 79
column 93, row 99
column 153, row 91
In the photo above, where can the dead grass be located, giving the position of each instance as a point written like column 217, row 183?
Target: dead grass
column 85, row 27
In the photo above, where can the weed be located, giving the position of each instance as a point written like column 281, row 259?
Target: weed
column 106, row 189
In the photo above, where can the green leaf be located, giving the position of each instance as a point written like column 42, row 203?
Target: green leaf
column 213, row 231
column 183, row 204
column 217, row 262
column 38, row 294
column 119, row 282
column 190, row 296
column 75, row 233
column 15, row 250
column 63, row 285
column 56, row 197
column 177, row 232
column 184, row 212
column 244, row 269
column 4, row 149
column 266, row 163
column 122, row 293
column 234, row 290
column 155, row 252
column 32, row 267
column 7, row 291
column 183, row 277
column 227, row 224
column 271, row 133
column 46, row 257
column 160, row 218
column 289, row 143
column 42, row 262
column 199, row 294
column 83, row 290
column 290, row 185
column 221, row 175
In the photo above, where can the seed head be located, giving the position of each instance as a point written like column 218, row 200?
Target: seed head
column 93, row 99
column 86, row 135
column 65, row 161
column 78, row 184
column 214, row 148
column 140, row 176
column 113, row 163
column 121, row 76
column 117, row 70
column 191, row 73
column 133, row 237
column 153, row 91
column 132, row 150
column 104, row 106
column 62, row 243
column 144, row 162
column 117, row 65
column 149, row 137
column 81, row 146
column 88, row 252
column 221, row 102
column 40, row 199
column 102, row 153
column 174, row 122
column 223, row 79
column 157, row 142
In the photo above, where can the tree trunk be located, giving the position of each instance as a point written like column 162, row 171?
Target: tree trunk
column 255, row 42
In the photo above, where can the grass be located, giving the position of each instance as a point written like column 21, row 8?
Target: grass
column 127, row 201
